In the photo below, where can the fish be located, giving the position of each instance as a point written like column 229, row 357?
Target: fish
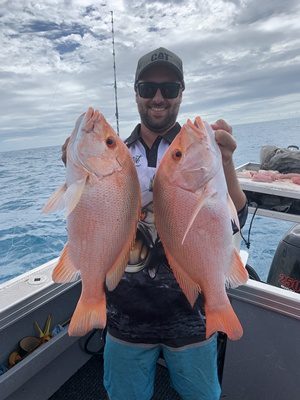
column 102, row 202
column 193, row 215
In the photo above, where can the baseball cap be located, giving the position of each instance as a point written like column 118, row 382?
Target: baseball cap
column 160, row 56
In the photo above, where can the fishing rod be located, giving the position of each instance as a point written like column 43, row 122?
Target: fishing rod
column 115, row 73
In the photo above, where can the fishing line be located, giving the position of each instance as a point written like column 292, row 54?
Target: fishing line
column 115, row 71
column 247, row 242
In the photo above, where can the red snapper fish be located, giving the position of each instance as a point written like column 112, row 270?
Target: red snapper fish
column 102, row 201
column 193, row 213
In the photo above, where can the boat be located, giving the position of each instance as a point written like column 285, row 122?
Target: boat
column 263, row 364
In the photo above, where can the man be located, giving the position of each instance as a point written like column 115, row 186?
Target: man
column 148, row 315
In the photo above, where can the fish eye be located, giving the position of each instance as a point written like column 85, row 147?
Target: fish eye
column 177, row 154
column 110, row 142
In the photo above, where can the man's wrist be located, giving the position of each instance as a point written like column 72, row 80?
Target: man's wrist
column 228, row 163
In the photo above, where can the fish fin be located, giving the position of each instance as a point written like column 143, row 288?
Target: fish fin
column 73, row 194
column 202, row 199
column 115, row 273
column 223, row 319
column 56, row 201
column 203, row 196
column 187, row 285
column 88, row 316
column 237, row 274
column 233, row 212
column 65, row 197
column 65, row 270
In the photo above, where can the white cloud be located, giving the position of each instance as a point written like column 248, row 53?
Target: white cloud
column 240, row 61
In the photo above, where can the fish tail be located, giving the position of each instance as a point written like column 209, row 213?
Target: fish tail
column 223, row 319
column 88, row 316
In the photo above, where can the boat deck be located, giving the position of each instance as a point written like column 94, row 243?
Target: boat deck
column 87, row 384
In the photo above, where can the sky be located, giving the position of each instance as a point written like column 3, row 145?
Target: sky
column 241, row 61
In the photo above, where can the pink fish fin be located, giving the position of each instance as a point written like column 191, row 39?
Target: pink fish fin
column 187, row 285
column 56, row 201
column 202, row 199
column 237, row 275
column 223, row 319
column 116, row 272
column 203, row 196
column 73, row 194
column 232, row 210
column 65, row 270
column 87, row 316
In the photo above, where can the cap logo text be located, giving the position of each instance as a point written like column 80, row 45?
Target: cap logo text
column 160, row 56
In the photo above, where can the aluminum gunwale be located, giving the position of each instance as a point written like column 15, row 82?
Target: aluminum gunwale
column 268, row 297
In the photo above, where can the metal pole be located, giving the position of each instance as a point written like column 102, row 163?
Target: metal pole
column 115, row 73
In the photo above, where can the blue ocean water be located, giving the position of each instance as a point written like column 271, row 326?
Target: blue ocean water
column 29, row 238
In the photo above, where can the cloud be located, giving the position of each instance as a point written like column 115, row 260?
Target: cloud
column 240, row 60
column 256, row 10
column 66, row 47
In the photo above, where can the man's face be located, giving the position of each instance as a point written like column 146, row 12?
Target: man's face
column 158, row 113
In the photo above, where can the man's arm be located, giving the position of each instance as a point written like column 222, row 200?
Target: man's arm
column 227, row 144
column 236, row 193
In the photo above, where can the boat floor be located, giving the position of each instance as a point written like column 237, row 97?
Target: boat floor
column 87, row 383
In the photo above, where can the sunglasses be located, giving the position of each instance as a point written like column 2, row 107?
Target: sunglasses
column 169, row 90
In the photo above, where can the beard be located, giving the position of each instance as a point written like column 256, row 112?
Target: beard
column 159, row 125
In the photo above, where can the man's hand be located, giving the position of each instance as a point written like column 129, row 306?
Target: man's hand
column 64, row 151
column 225, row 140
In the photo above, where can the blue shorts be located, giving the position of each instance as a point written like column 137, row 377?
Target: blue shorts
column 129, row 369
